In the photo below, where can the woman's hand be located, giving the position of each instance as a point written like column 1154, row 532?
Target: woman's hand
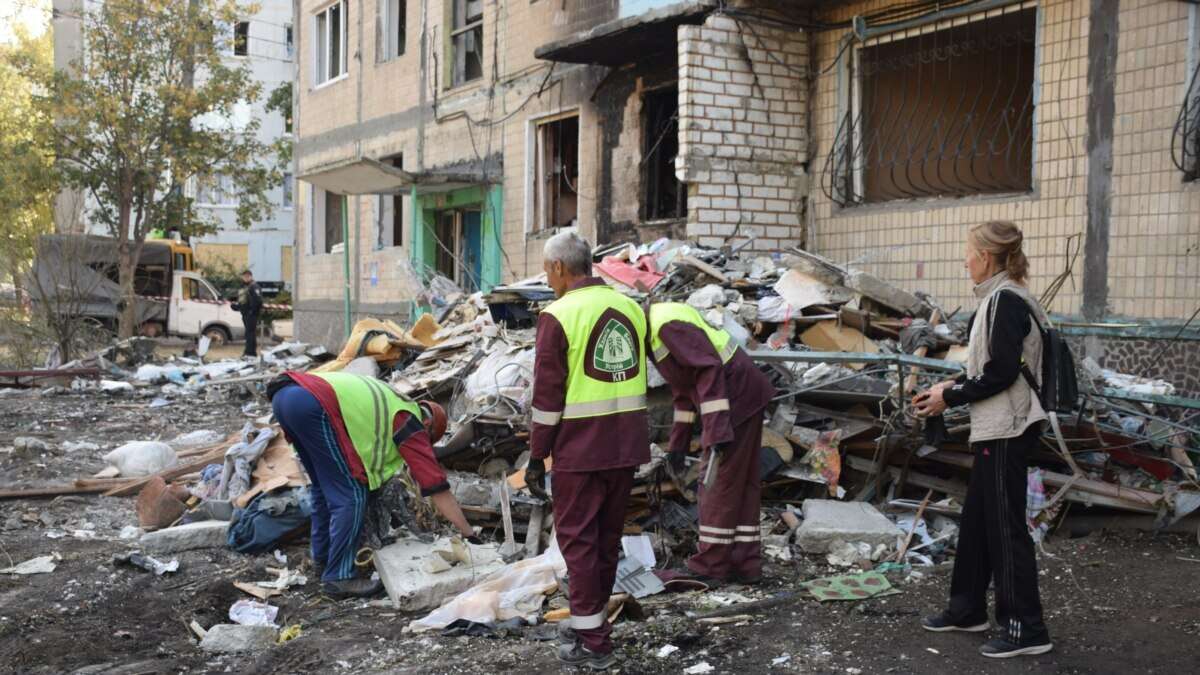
column 930, row 403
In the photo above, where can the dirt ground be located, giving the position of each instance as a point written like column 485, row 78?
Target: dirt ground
column 1116, row 602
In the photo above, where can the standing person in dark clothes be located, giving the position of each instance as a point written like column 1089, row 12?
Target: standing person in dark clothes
column 589, row 416
column 1006, row 421
column 709, row 375
column 249, row 303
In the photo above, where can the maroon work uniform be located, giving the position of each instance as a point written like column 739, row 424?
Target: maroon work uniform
column 594, row 459
column 735, row 394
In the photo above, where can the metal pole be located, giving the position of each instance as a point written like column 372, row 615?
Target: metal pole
column 346, row 260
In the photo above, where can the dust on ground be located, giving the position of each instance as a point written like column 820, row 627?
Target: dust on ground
column 1116, row 602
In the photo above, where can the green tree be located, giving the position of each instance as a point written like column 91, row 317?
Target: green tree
column 27, row 177
column 154, row 104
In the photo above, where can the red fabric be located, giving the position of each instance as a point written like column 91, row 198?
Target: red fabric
column 695, row 372
column 732, row 504
column 323, row 392
column 589, row 516
column 417, row 452
column 644, row 271
column 588, row 444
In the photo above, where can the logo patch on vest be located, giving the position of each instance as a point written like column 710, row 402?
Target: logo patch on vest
column 613, row 352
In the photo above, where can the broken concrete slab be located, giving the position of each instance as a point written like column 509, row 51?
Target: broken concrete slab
column 203, row 534
column 886, row 294
column 412, row 585
column 225, row 638
column 827, row 521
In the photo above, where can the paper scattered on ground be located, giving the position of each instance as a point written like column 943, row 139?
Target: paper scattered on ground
column 252, row 613
column 665, row 651
column 699, row 668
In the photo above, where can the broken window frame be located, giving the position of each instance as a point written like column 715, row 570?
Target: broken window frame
column 656, row 146
column 465, row 30
column 389, row 212
column 846, row 178
column 391, row 30
column 289, row 39
column 240, row 45
column 330, row 63
column 542, row 212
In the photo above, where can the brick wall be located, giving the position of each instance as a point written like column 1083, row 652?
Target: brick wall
column 1153, row 267
column 742, row 130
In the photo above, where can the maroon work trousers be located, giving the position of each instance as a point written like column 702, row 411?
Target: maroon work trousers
column 589, row 516
column 730, row 542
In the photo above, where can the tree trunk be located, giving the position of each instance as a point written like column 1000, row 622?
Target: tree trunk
column 126, row 268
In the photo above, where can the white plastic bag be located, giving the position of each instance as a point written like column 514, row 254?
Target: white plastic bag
column 142, row 458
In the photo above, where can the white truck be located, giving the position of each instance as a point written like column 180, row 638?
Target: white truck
column 76, row 275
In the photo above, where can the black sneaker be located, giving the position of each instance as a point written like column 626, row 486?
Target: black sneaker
column 1004, row 648
column 577, row 655
column 352, row 588
column 941, row 624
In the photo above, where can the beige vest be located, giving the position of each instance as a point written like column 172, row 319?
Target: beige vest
column 1012, row 411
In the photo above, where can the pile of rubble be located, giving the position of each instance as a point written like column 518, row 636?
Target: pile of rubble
column 844, row 349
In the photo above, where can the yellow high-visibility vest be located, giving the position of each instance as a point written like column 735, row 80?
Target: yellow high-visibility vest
column 606, row 360
column 663, row 313
column 368, row 409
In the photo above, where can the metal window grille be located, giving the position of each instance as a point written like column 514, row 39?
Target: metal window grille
column 1185, row 138
column 944, row 113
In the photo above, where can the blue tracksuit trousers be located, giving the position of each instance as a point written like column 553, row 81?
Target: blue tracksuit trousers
column 339, row 501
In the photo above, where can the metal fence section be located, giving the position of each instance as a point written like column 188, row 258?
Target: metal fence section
column 944, row 112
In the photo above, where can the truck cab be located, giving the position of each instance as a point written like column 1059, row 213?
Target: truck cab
column 197, row 309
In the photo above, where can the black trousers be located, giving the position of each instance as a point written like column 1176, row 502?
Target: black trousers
column 250, row 323
column 994, row 542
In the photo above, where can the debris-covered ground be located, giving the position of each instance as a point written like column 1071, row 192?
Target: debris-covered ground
column 1116, row 601
column 153, row 516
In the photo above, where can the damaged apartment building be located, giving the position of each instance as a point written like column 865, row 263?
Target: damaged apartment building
column 454, row 136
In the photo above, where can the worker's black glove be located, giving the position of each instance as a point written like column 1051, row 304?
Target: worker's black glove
column 474, row 540
column 535, row 478
column 235, row 307
column 717, row 449
column 677, row 461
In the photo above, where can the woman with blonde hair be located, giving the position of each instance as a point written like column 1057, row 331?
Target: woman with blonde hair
column 1006, row 421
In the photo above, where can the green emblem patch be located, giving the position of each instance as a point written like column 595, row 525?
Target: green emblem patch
column 614, row 350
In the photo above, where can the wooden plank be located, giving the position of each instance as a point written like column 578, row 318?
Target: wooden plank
column 49, row 491
column 135, row 485
column 703, row 267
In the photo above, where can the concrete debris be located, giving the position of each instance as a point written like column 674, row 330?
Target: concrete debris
column 827, row 522
column 410, row 585
column 43, row 564
column 229, row 638
column 202, row 534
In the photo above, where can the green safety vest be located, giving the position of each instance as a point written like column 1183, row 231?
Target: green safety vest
column 368, row 409
column 606, row 363
column 663, row 313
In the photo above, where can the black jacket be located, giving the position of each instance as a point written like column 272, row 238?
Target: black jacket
column 1005, row 338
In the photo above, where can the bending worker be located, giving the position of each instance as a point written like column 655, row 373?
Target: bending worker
column 589, row 415
column 715, row 381
column 352, row 434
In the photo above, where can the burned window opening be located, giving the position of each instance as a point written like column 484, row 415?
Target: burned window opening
column 241, row 38
column 390, row 212
column 466, row 41
column 945, row 113
column 1185, row 137
column 663, row 196
column 556, row 173
column 334, row 205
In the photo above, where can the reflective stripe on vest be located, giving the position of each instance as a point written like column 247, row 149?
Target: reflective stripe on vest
column 612, row 378
column 663, row 313
column 368, row 409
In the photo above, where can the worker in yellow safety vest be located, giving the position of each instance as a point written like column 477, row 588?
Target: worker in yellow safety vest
column 714, row 381
column 589, row 417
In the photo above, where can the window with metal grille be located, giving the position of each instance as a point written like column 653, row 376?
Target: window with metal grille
column 939, row 112
column 1185, row 138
